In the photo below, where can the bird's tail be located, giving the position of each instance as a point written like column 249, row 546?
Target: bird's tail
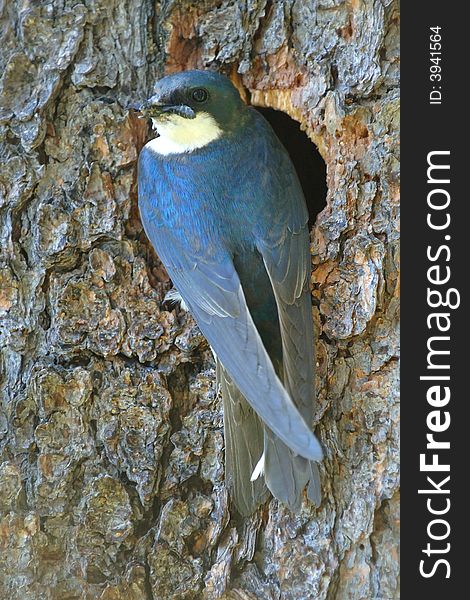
column 287, row 474
column 244, row 433
column 255, row 458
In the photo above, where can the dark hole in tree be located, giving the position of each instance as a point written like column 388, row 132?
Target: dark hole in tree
column 308, row 162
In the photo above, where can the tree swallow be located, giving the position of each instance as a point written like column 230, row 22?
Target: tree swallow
column 221, row 203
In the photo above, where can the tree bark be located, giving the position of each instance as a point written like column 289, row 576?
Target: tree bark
column 111, row 440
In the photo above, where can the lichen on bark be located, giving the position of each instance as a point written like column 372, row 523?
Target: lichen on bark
column 111, row 439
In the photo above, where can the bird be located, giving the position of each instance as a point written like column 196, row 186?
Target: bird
column 221, row 203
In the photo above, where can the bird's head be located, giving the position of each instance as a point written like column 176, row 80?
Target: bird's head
column 191, row 109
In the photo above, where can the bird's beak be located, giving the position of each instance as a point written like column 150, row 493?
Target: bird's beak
column 154, row 107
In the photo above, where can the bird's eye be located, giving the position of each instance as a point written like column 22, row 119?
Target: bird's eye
column 200, row 95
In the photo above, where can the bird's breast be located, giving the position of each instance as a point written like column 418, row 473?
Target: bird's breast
column 210, row 196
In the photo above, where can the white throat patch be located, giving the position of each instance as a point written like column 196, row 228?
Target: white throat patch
column 178, row 134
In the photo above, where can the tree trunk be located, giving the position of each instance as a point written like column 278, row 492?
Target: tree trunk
column 111, row 440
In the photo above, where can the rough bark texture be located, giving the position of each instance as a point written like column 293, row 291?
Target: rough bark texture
column 111, row 440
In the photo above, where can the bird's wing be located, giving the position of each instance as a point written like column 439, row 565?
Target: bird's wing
column 284, row 244
column 211, row 288
column 283, row 241
column 286, row 264
column 244, row 438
